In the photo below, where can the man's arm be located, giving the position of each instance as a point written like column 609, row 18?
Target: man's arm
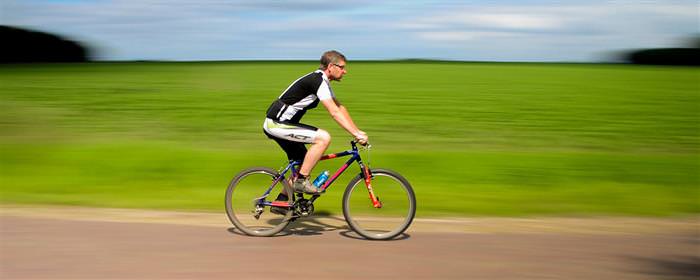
column 344, row 111
column 342, row 117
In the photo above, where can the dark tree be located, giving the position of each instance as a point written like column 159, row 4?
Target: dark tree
column 21, row 45
column 689, row 55
column 674, row 56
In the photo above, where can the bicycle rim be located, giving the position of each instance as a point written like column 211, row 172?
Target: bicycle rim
column 242, row 202
column 395, row 215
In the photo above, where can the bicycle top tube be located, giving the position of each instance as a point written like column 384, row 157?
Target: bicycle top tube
column 353, row 151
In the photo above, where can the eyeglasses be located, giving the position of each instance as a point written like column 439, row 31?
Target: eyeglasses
column 342, row 67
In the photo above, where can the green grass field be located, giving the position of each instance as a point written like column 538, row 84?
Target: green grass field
column 494, row 139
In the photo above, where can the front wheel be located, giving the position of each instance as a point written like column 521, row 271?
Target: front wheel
column 392, row 218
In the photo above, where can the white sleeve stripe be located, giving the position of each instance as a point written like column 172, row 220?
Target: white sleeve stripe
column 324, row 91
column 284, row 107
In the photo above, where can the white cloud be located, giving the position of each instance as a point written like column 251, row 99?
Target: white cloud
column 515, row 21
column 461, row 36
column 578, row 31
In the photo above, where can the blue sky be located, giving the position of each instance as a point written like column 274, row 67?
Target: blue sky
column 578, row 31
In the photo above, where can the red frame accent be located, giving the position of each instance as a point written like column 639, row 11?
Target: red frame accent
column 329, row 156
column 335, row 176
column 279, row 204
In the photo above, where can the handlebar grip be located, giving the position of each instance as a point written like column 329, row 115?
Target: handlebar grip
column 353, row 143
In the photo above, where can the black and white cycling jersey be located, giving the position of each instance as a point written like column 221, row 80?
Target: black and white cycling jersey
column 302, row 95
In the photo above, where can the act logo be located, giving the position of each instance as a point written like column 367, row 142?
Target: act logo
column 300, row 137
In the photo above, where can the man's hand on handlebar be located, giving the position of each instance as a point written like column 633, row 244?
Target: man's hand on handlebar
column 361, row 137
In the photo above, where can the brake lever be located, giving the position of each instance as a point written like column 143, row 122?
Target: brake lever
column 367, row 148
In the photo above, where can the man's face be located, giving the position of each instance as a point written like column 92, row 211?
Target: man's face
column 337, row 70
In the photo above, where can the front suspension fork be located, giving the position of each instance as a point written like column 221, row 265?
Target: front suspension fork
column 367, row 174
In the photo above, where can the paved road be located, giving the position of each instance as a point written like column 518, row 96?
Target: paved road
column 54, row 248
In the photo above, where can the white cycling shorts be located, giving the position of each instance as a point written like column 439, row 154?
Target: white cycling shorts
column 295, row 132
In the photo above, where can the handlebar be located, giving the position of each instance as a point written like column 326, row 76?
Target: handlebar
column 367, row 148
column 354, row 144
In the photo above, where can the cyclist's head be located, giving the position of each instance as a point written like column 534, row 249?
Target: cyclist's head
column 333, row 64
column 331, row 57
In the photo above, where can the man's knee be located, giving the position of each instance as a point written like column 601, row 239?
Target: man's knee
column 322, row 137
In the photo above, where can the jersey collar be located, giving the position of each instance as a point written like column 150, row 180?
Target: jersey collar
column 323, row 74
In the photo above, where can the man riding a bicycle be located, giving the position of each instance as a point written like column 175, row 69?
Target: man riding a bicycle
column 282, row 123
column 361, row 204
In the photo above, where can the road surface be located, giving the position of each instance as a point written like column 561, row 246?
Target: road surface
column 84, row 243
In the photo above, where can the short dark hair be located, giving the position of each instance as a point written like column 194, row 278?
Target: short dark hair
column 330, row 57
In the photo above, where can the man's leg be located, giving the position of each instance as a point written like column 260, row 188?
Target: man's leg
column 314, row 154
column 291, row 133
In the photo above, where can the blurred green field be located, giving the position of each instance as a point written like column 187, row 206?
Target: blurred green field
column 493, row 139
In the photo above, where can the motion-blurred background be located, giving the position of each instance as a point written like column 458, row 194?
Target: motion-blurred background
column 504, row 108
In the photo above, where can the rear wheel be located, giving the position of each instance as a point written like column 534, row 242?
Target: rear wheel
column 395, row 215
column 244, row 202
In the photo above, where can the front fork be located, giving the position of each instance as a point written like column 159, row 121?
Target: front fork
column 367, row 175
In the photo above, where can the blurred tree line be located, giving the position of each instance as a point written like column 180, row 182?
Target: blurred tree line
column 22, row 45
column 667, row 56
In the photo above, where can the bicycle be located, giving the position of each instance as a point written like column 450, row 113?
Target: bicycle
column 248, row 205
